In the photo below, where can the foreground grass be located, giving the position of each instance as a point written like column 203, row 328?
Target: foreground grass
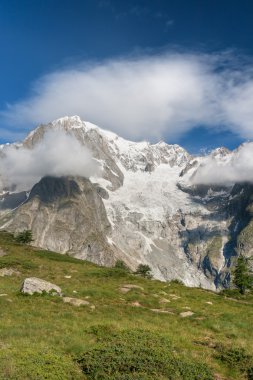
column 43, row 338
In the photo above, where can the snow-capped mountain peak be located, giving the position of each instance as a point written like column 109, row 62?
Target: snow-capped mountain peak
column 141, row 207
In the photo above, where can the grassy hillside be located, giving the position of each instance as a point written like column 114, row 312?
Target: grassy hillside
column 138, row 334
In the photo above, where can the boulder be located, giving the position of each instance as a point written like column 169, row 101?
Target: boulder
column 136, row 304
column 36, row 285
column 75, row 301
column 162, row 311
column 2, row 252
column 185, row 314
column 8, row 272
column 128, row 287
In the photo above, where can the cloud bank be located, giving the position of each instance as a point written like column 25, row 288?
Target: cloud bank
column 149, row 97
column 235, row 167
column 57, row 154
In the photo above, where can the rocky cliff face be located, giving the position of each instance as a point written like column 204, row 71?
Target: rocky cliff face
column 141, row 208
column 66, row 215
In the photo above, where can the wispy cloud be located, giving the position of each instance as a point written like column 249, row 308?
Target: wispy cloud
column 146, row 97
column 237, row 167
column 57, row 154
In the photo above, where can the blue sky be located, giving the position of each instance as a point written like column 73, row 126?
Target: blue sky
column 44, row 40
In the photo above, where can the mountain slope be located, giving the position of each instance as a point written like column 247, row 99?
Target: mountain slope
column 141, row 329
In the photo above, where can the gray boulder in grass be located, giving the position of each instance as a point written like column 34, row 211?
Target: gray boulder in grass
column 33, row 285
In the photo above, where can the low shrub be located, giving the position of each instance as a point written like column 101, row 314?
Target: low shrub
column 236, row 358
column 144, row 270
column 137, row 355
column 176, row 282
column 24, row 237
column 234, row 293
column 120, row 264
column 39, row 364
column 250, row 373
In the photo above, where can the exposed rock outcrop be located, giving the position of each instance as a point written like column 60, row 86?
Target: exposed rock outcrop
column 33, row 285
column 67, row 215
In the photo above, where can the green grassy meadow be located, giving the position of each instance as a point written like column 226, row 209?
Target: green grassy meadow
column 135, row 335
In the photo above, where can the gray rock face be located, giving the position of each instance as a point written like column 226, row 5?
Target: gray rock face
column 36, row 285
column 67, row 215
column 142, row 208
column 11, row 201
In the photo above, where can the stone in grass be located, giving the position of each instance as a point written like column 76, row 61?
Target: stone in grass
column 2, row 252
column 136, row 304
column 162, row 292
column 33, row 285
column 164, row 300
column 128, row 287
column 8, row 272
column 75, row 301
column 185, row 314
column 174, row 296
column 162, row 311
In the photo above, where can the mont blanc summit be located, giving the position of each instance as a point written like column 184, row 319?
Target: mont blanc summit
column 102, row 198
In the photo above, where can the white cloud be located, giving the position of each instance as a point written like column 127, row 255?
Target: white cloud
column 57, row 154
column 236, row 167
column 146, row 97
column 238, row 107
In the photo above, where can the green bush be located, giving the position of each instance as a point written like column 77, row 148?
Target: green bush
column 121, row 265
column 24, row 237
column 31, row 364
column 234, row 293
column 242, row 276
column 250, row 373
column 176, row 282
column 236, row 358
column 137, row 355
column 144, row 271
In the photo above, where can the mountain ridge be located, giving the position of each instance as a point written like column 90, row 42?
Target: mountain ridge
column 156, row 214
